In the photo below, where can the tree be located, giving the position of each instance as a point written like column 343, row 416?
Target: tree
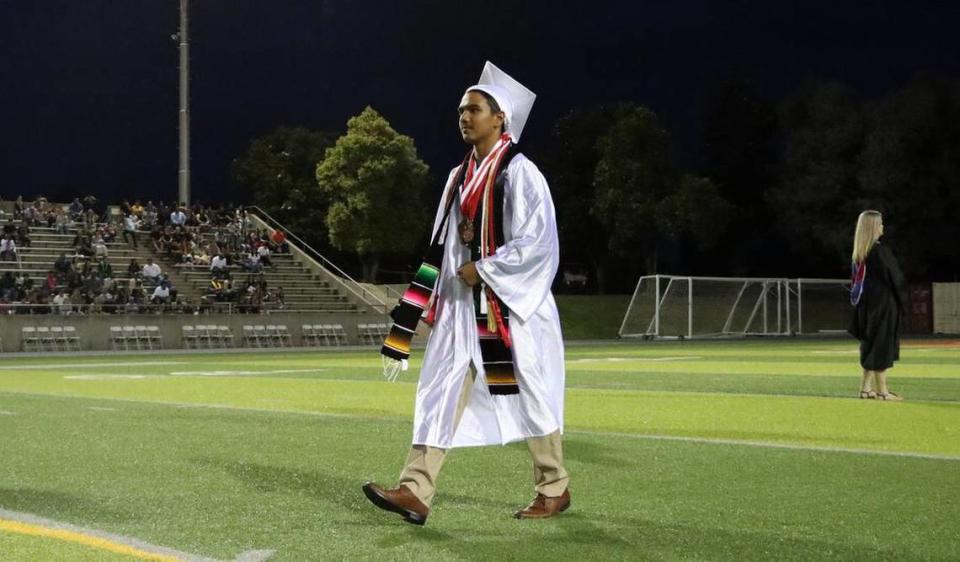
column 815, row 199
column 279, row 170
column 375, row 183
column 911, row 172
column 570, row 167
column 695, row 211
column 633, row 175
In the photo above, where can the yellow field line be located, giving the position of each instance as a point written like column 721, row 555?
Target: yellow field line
column 80, row 538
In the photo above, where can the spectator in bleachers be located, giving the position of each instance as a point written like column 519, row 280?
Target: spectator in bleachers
column 90, row 218
column 151, row 271
column 62, row 265
column 8, row 248
column 278, row 242
column 149, row 215
column 23, row 236
column 62, row 221
column 18, row 208
column 130, row 225
column 8, row 285
column 52, row 281
column 62, row 302
column 178, row 217
column 263, row 251
column 161, row 294
column 108, row 232
column 104, row 269
column 100, row 249
column 134, row 270
column 252, row 263
column 76, row 210
column 218, row 266
column 10, row 228
column 137, row 208
column 83, row 248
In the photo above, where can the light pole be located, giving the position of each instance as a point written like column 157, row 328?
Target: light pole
column 184, row 172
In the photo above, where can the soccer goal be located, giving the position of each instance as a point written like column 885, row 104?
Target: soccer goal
column 670, row 306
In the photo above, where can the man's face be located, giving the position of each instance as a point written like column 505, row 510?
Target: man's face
column 477, row 121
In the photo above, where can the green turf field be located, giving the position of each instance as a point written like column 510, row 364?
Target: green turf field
column 697, row 451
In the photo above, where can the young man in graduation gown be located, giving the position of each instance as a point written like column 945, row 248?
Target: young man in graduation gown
column 493, row 369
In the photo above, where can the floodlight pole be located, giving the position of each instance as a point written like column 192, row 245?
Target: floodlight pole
column 184, row 172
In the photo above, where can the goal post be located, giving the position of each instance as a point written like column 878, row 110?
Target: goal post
column 671, row 306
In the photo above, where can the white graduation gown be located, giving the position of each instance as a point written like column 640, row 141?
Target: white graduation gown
column 521, row 273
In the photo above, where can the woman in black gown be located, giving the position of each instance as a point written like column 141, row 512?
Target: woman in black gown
column 879, row 293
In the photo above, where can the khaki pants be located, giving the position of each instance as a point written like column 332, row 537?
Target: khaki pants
column 424, row 463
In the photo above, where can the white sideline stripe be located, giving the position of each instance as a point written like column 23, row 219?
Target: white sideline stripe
column 7, row 413
column 621, row 359
column 699, row 440
column 106, row 377
column 248, row 556
column 232, row 373
column 65, row 365
column 772, row 445
column 101, row 409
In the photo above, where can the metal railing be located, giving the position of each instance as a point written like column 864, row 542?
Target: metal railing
column 342, row 277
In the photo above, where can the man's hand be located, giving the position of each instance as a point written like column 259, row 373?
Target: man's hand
column 468, row 274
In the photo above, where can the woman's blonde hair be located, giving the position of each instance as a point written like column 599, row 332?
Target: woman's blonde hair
column 868, row 231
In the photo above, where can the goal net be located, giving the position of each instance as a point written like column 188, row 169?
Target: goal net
column 669, row 306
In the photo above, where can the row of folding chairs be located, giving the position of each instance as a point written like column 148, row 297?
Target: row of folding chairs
column 50, row 338
column 269, row 335
column 135, row 338
column 372, row 333
column 206, row 336
column 324, row 334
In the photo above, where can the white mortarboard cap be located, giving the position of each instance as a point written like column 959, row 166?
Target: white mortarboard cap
column 514, row 98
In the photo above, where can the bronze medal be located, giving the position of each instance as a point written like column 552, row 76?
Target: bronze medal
column 465, row 228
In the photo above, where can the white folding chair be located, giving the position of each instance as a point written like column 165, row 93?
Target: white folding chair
column 71, row 338
column 284, row 335
column 59, row 342
column 249, row 337
column 143, row 338
column 45, row 339
column 155, row 337
column 116, row 338
column 339, row 334
column 309, row 335
column 189, row 336
column 262, row 339
column 130, row 340
column 226, row 336
column 28, row 337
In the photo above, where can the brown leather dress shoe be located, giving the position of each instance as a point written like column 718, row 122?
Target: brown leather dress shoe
column 542, row 507
column 398, row 500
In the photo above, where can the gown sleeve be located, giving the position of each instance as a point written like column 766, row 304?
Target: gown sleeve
column 521, row 271
column 895, row 278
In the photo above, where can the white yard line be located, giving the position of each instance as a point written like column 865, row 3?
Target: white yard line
column 68, row 365
column 32, row 525
column 622, row 359
column 234, row 373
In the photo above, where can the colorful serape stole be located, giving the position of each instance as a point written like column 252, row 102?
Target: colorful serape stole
column 493, row 316
column 858, row 275
column 491, row 313
column 406, row 316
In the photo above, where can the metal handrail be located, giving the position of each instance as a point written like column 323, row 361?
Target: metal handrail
column 356, row 288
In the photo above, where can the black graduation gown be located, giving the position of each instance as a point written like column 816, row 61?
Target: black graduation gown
column 878, row 317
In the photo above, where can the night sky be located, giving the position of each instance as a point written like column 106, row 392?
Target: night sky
column 88, row 90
